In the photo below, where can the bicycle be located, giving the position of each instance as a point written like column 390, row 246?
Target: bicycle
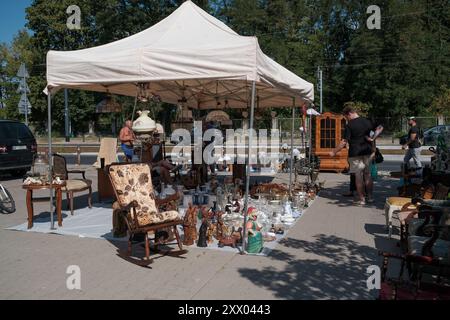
column 7, row 204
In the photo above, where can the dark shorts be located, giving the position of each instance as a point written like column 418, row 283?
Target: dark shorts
column 127, row 150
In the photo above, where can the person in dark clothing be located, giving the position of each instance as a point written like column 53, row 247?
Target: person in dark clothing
column 413, row 144
column 352, row 189
column 357, row 136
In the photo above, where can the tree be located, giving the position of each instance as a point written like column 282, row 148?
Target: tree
column 363, row 109
column 10, row 59
column 441, row 103
column 397, row 70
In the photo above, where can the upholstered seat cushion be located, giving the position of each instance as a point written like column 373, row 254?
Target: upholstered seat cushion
column 156, row 217
column 441, row 248
column 414, row 225
column 398, row 201
column 76, row 184
column 407, row 216
column 133, row 182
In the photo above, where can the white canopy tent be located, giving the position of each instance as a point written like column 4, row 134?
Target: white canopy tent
column 189, row 54
column 189, row 57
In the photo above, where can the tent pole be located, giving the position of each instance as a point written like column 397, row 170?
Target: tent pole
column 247, row 180
column 50, row 158
column 310, row 145
column 134, row 107
column 292, row 147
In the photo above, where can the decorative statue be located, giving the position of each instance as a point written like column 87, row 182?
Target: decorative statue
column 255, row 239
column 211, row 231
column 202, row 238
column 228, row 239
column 220, row 226
column 190, row 226
column 237, row 235
column 204, row 213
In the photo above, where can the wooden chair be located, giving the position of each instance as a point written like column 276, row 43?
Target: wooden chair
column 132, row 184
column 417, row 214
column 410, row 209
column 394, row 205
column 72, row 185
column 427, row 255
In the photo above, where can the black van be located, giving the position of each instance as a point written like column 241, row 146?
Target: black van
column 17, row 147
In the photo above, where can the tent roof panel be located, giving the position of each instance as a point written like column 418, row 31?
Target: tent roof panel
column 188, row 45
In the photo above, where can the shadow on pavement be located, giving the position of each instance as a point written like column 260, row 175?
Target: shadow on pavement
column 341, row 273
column 340, row 270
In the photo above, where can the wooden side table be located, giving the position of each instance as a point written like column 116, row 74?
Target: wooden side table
column 30, row 200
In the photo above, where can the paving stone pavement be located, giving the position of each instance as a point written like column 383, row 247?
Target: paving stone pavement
column 324, row 256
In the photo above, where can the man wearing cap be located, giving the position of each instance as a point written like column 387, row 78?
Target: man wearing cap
column 413, row 144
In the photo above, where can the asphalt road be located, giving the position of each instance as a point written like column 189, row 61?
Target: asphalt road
column 388, row 165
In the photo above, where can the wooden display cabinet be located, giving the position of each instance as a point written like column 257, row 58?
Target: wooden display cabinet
column 328, row 131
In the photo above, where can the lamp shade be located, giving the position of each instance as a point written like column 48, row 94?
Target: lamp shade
column 144, row 124
column 108, row 105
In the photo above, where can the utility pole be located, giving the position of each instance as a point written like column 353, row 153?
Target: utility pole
column 320, row 86
column 66, row 115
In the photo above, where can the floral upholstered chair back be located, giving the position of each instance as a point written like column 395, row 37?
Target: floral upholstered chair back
column 133, row 182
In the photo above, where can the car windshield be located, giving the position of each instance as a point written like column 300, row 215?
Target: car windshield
column 12, row 130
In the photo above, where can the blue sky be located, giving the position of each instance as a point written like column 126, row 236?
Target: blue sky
column 12, row 18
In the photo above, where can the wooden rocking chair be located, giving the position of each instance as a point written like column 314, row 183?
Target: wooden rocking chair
column 132, row 184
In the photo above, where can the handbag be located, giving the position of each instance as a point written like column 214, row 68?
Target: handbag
column 373, row 171
column 378, row 156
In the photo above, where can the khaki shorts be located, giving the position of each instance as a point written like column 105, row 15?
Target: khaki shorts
column 359, row 164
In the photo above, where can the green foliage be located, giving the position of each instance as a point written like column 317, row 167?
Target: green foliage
column 363, row 109
column 441, row 103
column 399, row 70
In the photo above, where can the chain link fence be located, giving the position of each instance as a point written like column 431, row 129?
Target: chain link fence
column 394, row 127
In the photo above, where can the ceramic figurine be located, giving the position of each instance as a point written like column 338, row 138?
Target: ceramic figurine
column 237, row 235
column 255, row 240
column 202, row 238
column 211, row 231
column 227, row 241
column 190, row 226
column 204, row 213
column 277, row 229
column 220, row 226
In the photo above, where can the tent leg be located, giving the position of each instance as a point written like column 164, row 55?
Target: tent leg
column 247, row 182
column 310, row 145
column 292, row 147
column 50, row 158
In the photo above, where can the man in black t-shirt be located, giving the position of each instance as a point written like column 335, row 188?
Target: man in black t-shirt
column 357, row 136
column 413, row 144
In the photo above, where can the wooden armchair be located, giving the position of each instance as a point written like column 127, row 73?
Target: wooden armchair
column 414, row 287
column 132, row 184
column 428, row 252
column 72, row 185
column 394, row 205
column 418, row 213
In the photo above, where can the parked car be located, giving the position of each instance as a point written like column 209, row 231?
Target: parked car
column 430, row 135
column 17, row 148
